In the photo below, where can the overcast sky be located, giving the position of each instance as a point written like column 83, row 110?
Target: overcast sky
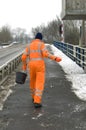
column 28, row 13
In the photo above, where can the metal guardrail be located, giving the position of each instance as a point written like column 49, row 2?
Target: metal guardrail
column 76, row 53
column 8, row 67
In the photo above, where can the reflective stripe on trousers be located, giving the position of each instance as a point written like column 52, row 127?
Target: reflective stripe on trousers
column 36, row 92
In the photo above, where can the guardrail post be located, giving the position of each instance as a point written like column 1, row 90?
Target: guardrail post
column 74, row 52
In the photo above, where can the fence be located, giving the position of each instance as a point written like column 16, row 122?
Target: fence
column 7, row 68
column 76, row 53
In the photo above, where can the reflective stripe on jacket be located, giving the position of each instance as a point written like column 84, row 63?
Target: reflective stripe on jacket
column 34, row 52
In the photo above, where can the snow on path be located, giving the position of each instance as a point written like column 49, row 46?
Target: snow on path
column 74, row 73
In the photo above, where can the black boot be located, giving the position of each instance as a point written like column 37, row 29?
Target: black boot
column 37, row 105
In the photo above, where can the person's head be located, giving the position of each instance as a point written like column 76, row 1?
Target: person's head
column 39, row 36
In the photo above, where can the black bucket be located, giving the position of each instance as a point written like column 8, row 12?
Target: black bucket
column 20, row 77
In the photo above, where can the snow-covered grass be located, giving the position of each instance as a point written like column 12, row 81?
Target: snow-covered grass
column 74, row 73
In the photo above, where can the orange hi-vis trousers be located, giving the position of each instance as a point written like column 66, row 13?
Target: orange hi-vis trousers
column 37, row 79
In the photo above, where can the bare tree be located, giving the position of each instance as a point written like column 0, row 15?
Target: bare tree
column 5, row 34
column 19, row 34
column 50, row 32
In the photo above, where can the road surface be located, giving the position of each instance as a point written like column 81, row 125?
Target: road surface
column 8, row 53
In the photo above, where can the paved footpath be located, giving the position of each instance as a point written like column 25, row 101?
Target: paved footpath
column 61, row 110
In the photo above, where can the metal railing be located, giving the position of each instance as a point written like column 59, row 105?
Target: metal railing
column 8, row 67
column 76, row 53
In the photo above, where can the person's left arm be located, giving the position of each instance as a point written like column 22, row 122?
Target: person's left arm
column 47, row 54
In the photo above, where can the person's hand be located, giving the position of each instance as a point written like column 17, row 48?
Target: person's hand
column 58, row 59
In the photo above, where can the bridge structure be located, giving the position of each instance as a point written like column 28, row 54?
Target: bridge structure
column 76, row 53
column 76, row 10
column 61, row 109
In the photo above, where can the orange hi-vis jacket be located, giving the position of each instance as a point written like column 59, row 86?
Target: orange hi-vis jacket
column 35, row 52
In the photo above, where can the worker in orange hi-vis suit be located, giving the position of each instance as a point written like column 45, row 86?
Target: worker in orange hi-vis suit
column 35, row 52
